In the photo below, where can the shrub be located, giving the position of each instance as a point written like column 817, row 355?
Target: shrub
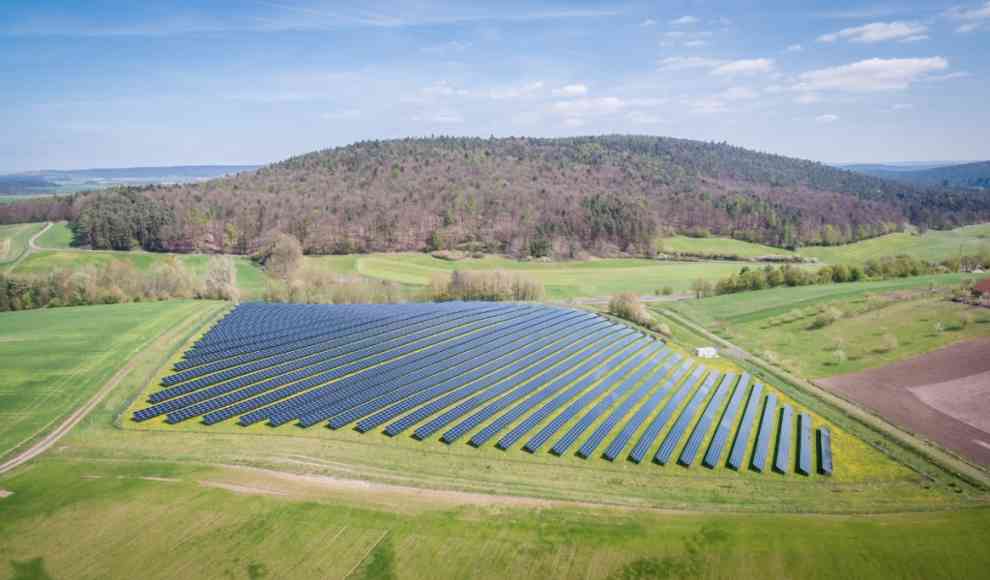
column 496, row 285
column 629, row 307
column 827, row 316
column 667, row 291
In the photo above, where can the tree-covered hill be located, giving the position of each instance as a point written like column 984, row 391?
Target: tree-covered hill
column 516, row 195
column 965, row 175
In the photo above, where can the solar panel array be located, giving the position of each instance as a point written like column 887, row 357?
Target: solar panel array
column 484, row 372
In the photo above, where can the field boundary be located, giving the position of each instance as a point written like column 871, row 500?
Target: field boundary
column 927, row 449
column 177, row 346
column 28, row 249
column 48, row 440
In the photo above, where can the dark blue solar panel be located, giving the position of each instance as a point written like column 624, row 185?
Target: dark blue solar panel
column 824, row 451
column 684, row 420
column 705, row 422
column 738, row 452
column 804, row 444
column 724, row 429
column 765, row 434
column 649, row 436
column 782, row 461
column 618, row 414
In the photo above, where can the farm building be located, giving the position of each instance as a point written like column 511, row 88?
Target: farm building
column 706, row 352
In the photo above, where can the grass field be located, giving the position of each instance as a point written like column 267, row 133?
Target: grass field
column 562, row 280
column 112, row 502
column 53, row 360
column 933, row 246
column 58, row 237
column 779, row 322
column 14, row 241
column 722, row 246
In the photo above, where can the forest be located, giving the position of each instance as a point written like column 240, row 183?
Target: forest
column 604, row 195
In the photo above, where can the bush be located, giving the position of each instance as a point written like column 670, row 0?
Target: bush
column 826, row 317
column 667, row 291
column 496, row 285
column 629, row 307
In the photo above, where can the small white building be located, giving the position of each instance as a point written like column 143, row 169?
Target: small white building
column 706, row 352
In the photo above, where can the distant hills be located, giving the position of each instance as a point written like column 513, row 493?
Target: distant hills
column 966, row 175
column 69, row 181
column 522, row 196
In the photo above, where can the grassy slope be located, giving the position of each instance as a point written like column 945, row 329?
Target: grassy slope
column 92, row 510
column 562, row 280
column 724, row 246
column 14, row 240
column 53, row 360
column 779, row 321
column 932, row 245
column 58, row 237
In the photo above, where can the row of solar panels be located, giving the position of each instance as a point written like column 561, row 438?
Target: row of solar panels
column 455, row 368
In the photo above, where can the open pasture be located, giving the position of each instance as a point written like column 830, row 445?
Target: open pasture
column 933, row 245
column 54, row 360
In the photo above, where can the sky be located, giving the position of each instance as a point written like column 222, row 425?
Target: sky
column 122, row 83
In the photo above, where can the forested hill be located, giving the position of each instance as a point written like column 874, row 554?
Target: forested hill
column 965, row 175
column 515, row 195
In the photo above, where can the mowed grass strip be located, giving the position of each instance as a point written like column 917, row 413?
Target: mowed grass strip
column 53, row 360
column 165, row 520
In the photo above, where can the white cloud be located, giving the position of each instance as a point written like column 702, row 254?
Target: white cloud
column 589, row 106
column 575, row 90
column 794, row 48
column 683, row 20
column 879, row 32
column 687, row 62
column 875, row 74
column 648, row 22
column 744, row 67
column 808, row 98
column 827, row 118
column 970, row 19
column 707, row 105
column 516, row 92
column 740, row 94
column 641, row 118
column 949, row 76
column 443, row 89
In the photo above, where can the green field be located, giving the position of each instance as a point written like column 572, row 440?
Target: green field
column 562, row 280
column 263, row 503
column 722, row 246
column 14, row 241
column 250, row 278
column 53, row 360
column 58, row 237
column 777, row 323
column 933, row 246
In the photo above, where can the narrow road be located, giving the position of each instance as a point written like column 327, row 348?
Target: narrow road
column 31, row 247
column 936, row 454
column 46, row 442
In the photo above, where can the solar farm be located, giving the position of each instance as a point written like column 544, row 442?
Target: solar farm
column 512, row 376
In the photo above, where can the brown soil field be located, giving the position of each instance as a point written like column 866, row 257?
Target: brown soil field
column 943, row 395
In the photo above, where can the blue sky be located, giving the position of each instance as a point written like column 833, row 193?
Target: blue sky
column 103, row 83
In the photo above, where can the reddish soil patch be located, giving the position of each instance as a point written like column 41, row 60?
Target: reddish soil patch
column 925, row 395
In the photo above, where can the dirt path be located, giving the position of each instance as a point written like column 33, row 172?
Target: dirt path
column 934, row 453
column 46, row 442
column 31, row 247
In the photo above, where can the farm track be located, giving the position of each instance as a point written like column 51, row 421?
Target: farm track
column 79, row 414
column 31, row 247
column 945, row 459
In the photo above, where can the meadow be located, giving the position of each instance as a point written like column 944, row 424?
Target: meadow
column 53, row 360
column 14, row 241
column 933, row 245
column 721, row 246
column 779, row 324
